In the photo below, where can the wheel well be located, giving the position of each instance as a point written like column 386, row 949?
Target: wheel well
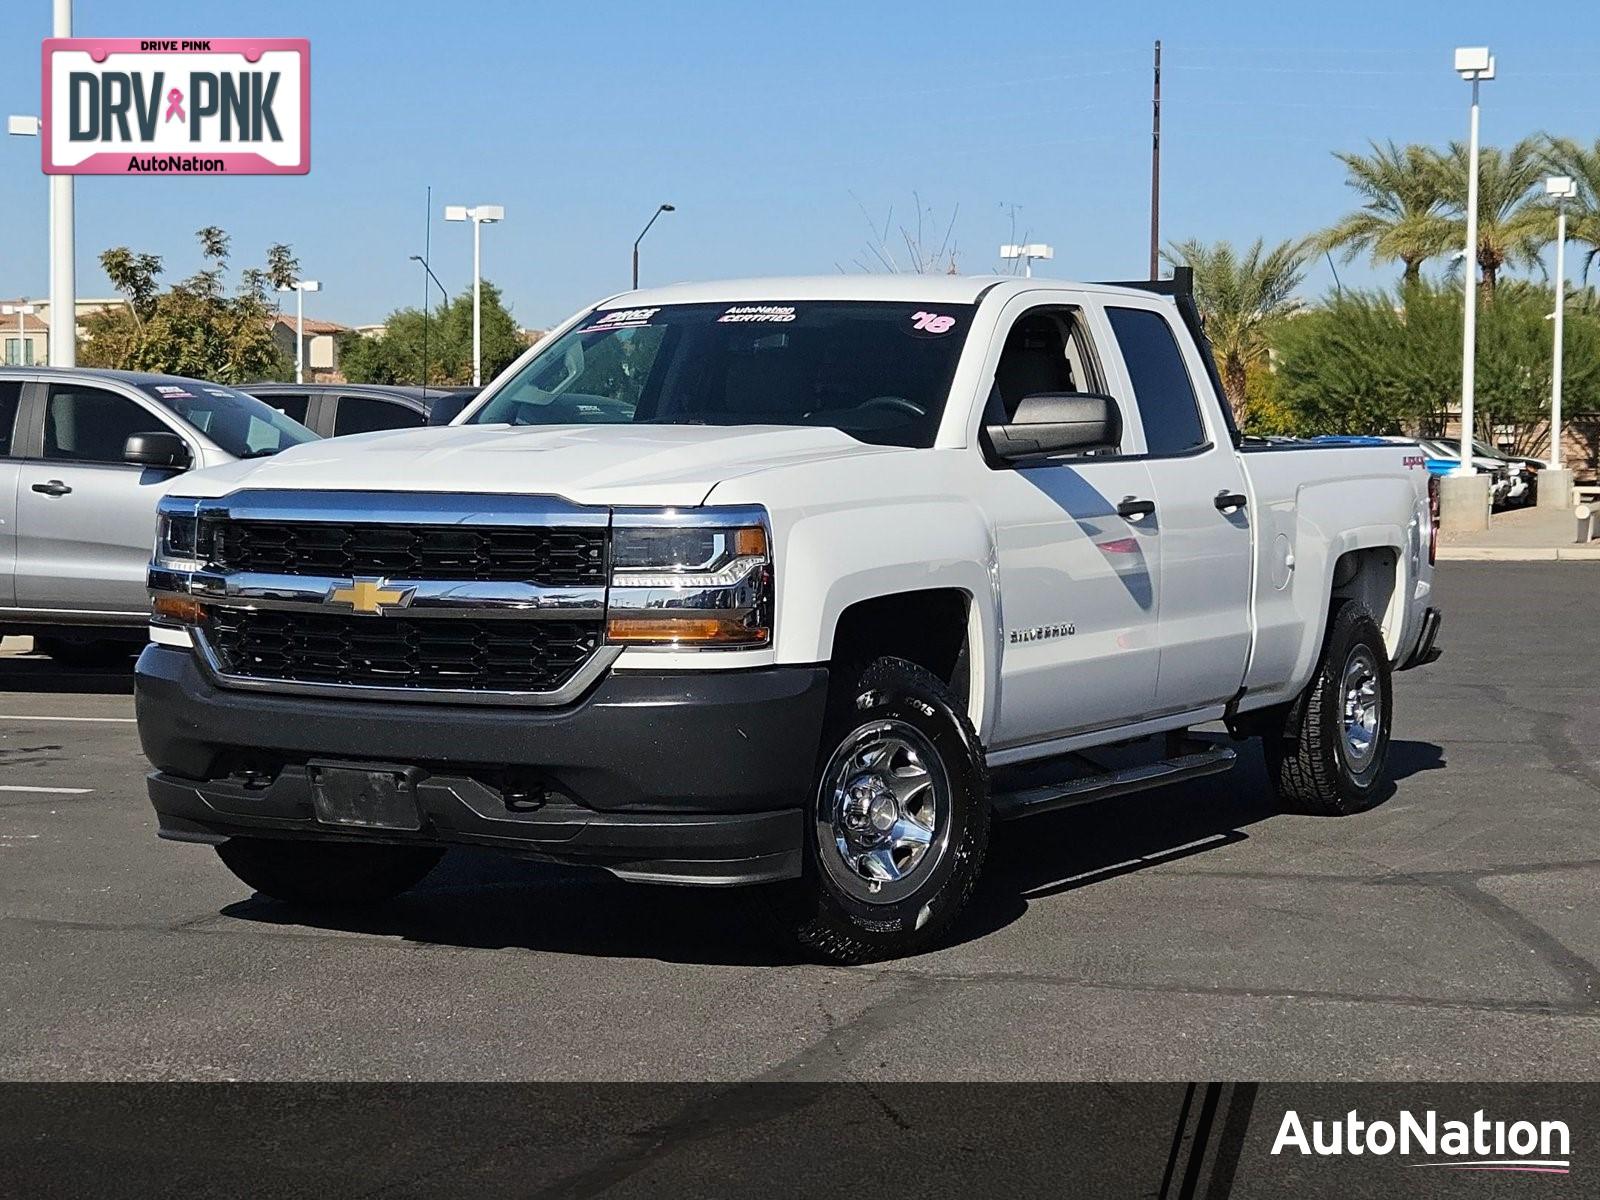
column 1372, row 577
column 928, row 628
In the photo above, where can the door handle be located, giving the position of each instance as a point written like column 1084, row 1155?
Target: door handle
column 1229, row 503
column 1135, row 509
column 52, row 487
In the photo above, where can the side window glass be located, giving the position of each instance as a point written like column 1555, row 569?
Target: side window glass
column 1161, row 384
column 10, row 401
column 293, row 406
column 361, row 414
column 86, row 424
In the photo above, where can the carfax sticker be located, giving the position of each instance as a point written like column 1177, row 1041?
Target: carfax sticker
column 169, row 390
column 770, row 314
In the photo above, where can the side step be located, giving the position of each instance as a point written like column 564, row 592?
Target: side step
column 1025, row 802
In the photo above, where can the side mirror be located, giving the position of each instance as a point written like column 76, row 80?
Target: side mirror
column 1055, row 422
column 161, row 450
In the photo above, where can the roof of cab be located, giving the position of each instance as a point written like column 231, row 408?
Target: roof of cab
column 910, row 288
column 135, row 377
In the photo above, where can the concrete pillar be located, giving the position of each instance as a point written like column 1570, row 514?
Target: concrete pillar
column 1555, row 488
column 1464, row 503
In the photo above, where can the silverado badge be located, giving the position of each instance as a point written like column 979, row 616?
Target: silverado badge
column 369, row 596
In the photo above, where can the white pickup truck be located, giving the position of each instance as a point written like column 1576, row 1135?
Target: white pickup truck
column 791, row 582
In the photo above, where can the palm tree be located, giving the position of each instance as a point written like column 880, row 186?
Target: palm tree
column 1513, row 227
column 1567, row 157
column 1403, row 218
column 1241, row 295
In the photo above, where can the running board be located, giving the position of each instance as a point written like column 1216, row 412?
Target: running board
column 1025, row 802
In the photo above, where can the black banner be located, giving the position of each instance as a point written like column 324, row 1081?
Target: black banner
column 1165, row 1141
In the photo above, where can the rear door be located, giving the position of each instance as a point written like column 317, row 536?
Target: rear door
column 1201, row 504
column 86, row 519
column 12, row 440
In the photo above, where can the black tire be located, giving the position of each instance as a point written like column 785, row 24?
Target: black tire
column 327, row 874
column 1314, row 760
column 101, row 654
column 833, row 910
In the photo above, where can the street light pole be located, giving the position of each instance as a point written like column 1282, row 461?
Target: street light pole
column 481, row 215
column 1555, row 486
column 663, row 208
column 1474, row 64
column 300, row 287
column 63, row 267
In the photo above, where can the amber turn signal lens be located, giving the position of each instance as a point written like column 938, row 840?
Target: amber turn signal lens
column 750, row 541
column 700, row 631
column 179, row 609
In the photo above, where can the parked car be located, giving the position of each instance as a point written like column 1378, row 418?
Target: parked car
column 450, row 405
column 84, row 455
column 1505, row 487
column 794, row 581
column 1523, row 471
column 338, row 409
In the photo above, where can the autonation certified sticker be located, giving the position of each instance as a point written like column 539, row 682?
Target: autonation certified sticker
column 148, row 106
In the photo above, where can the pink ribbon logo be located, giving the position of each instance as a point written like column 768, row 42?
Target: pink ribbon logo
column 175, row 105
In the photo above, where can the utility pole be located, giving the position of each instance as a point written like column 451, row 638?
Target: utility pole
column 1155, row 170
column 63, row 268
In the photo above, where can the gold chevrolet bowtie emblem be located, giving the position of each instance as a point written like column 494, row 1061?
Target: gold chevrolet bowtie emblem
column 370, row 596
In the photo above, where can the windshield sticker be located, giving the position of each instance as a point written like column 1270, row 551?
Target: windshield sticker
column 223, row 392
column 174, row 392
column 622, row 318
column 767, row 313
column 934, row 323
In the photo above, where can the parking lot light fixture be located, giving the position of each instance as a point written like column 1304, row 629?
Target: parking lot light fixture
column 20, row 311
column 1476, row 65
column 300, row 287
column 1033, row 250
column 659, row 210
column 1560, row 188
column 480, row 215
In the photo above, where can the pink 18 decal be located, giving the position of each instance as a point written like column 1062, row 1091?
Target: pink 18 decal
column 929, row 322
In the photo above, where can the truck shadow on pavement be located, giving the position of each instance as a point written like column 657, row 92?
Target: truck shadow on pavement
column 481, row 900
column 36, row 674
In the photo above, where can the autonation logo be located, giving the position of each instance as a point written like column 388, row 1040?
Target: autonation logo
column 1476, row 1145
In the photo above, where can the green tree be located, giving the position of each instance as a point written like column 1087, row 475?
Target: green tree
column 1402, row 219
column 396, row 356
column 1241, row 296
column 1513, row 227
column 1569, row 157
column 193, row 328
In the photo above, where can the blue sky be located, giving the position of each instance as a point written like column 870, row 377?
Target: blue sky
column 766, row 123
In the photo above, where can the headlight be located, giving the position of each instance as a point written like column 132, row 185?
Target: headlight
column 178, row 553
column 696, row 578
column 177, row 536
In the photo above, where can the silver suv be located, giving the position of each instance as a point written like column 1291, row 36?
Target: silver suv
column 84, row 456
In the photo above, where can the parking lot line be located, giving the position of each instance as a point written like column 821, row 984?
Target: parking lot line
column 53, row 791
column 34, row 717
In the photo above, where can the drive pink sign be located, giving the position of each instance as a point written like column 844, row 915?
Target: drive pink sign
column 169, row 106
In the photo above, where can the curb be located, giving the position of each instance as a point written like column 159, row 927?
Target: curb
column 1519, row 554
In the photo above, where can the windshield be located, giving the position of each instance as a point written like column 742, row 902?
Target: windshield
column 241, row 425
column 879, row 372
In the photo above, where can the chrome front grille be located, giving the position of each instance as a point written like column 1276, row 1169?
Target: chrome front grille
column 418, row 596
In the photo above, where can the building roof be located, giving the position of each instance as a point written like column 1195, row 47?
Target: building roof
column 312, row 325
column 30, row 321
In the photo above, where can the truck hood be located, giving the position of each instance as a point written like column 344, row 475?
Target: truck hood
column 674, row 465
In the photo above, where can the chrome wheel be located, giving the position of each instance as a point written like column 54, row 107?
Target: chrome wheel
column 1362, row 698
column 883, row 812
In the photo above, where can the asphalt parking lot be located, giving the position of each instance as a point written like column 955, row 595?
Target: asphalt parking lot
column 1189, row 933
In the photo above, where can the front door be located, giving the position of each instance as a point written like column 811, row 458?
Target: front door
column 86, row 519
column 1080, row 581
